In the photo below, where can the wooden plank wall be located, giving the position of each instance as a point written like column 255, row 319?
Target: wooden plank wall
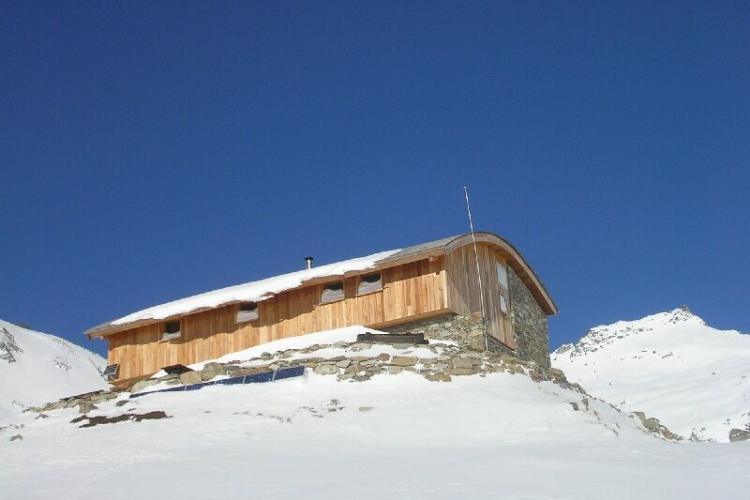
column 463, row 288
column 412, row 289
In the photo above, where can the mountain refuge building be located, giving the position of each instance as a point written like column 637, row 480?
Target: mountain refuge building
column 431, row 288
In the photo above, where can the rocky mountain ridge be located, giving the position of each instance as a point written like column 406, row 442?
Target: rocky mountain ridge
column 671, row 365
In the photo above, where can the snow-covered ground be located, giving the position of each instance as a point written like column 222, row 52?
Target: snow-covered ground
column 694, row 378
column 36, row 368
column 394, row 436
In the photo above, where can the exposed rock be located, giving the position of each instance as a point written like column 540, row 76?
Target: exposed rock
column 557, row 374
column 143, row 384
column 85, row 407
column 404, row 361
column 344, row 363
column 438, row 377
column 326, row 369
column 357, row 346
column 189, row 378
column 98, row 420
column 103, row 396
column 461, row 362
column 17, row 437
column 211, row 370
column 461, row 371
column 383, row 356
column 574, row 405
column 394, row 370
column 738, row 435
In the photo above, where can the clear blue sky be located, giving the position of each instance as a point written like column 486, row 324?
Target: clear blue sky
column 152, row 150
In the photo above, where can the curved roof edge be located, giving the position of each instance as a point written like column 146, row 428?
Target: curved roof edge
column 522, row 268
column 267, row 288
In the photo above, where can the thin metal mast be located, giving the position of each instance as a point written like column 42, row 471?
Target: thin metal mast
column 479, row 274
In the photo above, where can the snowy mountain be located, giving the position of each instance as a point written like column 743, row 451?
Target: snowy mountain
column 36, row 367
column 694, row 378
column 502, row 434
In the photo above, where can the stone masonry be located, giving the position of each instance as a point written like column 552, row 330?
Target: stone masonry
column 529, row 322
column 527, row 317
column 466, row 331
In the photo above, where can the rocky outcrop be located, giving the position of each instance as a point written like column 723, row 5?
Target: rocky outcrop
column 739, row 435
column 8, row 346
column 653, row 425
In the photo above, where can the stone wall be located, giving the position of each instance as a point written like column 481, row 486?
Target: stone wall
column 529, row 322
column 466, row 331
column 527, row 317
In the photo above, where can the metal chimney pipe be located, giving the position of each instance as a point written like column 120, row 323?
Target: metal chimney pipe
column 308, row 262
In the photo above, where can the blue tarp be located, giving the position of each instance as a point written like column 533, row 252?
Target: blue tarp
column 256, row 378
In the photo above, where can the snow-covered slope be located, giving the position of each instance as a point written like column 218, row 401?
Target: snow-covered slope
column 394, row 436
column 36, row 367
column 694, row 378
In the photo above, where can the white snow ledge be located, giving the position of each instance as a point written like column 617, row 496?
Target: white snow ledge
column 254, row 291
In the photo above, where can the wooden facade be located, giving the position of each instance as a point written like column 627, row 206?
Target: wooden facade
column 421, row 285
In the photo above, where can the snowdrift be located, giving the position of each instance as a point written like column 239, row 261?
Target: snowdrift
column 399, row 436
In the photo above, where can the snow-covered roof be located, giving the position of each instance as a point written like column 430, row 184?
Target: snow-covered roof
column 257, row 291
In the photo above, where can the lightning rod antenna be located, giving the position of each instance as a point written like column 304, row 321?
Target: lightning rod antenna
column 479, row 274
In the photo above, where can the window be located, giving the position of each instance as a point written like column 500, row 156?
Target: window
column 503, row 304
column 332, row 292
column 502, row 281
column 370, row 283
column 502, row 275
column 248, row 311
column 171, row 330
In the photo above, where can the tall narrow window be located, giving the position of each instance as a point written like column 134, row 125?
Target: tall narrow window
column 332, row 292
column 502, row 281
column 370, row 283
column 248, row 311
column 171, row 330
column 502, row 274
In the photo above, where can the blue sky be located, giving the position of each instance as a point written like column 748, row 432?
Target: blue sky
column 152, row 150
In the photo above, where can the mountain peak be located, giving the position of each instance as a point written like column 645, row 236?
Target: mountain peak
column 663, row 364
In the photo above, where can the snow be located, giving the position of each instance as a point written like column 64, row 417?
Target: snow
column 248, row 357
column 671, row 365
column 255, row 291
column 395, row 436
column 36, row 368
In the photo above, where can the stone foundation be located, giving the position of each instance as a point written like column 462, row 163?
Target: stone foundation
column 466, row 331
column 527, row 317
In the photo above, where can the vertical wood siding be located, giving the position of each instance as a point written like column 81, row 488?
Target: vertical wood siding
column 463, row 288
column 409, row 290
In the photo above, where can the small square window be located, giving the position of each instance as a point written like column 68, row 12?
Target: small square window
column 248, row 311
column 332, row 292
column 370, row 283
column 171, row 330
